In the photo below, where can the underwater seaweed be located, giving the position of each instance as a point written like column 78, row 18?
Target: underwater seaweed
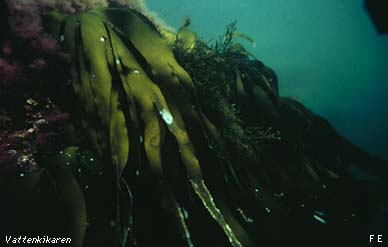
column 172, row 140
column 225, row 41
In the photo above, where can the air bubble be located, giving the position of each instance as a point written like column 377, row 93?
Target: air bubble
column 319, row 219
column 185, row 213
column 278, row 194
column 167, row 117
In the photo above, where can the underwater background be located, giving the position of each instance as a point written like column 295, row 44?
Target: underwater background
column 327, row 55
column 251, row 163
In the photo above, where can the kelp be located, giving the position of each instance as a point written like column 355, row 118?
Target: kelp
column 117, row 70
column 185, row 37
column 188, row 143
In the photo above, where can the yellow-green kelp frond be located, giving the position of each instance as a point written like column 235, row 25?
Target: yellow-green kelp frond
column 129, row 98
